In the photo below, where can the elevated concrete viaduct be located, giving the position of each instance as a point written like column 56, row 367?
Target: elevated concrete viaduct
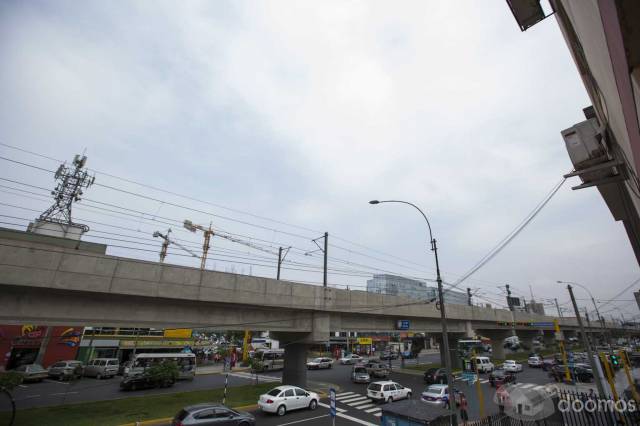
column 50, row 280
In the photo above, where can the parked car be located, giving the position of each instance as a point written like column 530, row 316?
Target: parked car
column 211, row 414
column 388, row 355
column 318, row 363
column 579, row 373
column 65, row 370
column 387, row 391
column 548, row 363
column 376, row 369
column 535, row 362
column 351, row 359
column 102, row 367
column 512, row 366
column 435, row 375
column 408, row 355
column 500, row 377
column 359, row 374
column 32, row 372
column 144, row 381
column 484, row 364
column 439, row 395
column 287, row 398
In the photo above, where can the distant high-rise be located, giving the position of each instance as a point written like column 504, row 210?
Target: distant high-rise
column 395, row 285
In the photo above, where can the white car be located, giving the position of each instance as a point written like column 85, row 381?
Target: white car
column 351, row 359
column 387, row 391
column 484, row 364
column 438, row 395
column 287, row 398
column 318, row 363
column 535, row 362
column 512, row 366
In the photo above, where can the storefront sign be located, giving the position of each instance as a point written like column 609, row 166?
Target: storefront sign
column 180, row 333
column 402, row 325
column 365, row 340
column 151, row 343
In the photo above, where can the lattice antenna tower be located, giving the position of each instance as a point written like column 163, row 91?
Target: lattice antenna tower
column 71, row 181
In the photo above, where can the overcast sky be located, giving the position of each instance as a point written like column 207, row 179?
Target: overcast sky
column 302, row 112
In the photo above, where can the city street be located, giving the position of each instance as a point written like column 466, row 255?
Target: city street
column 352, row 404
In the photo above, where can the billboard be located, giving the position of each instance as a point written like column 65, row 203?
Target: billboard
column 180, row 333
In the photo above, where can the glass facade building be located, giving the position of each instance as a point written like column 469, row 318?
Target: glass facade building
column 395, row 285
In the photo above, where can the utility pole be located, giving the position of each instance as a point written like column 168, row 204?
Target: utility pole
column 281, row 258
column 325, row 250
column 326, row 246
column 469, row 297
column 592, row 361
column 558, row 308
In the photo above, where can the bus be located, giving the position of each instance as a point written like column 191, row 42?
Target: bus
column 270, row 359
column 186, row 363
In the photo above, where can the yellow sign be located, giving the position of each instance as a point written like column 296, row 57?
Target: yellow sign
column 365, row 341
column 180, row 333
column 157, row 343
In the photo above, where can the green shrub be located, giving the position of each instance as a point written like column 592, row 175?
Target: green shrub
column 163, row 372
column 9, row 380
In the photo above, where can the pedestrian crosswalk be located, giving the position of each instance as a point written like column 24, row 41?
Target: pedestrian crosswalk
column 260, row 377
column 359, row 402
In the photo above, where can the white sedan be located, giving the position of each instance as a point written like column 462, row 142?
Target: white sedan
column 351, row 359
column 387, row 391
column 512, row 366
column 286, row 398
column 317, row 363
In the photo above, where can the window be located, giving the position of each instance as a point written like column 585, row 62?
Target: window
column 113, row 362
column 205, row 414
column 288, row 393
column 399, row 387
column 101, row 363
column 300, row 392
column 223, row 413
column 274, row 392
column 387, row 387
column 59, row 365
column 22, row 368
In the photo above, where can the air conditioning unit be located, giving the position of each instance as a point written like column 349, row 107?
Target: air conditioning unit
column 588, row 153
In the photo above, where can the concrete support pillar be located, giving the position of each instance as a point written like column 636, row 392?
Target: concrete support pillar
column 469, row 331
column 549, row 339
column 456, row 362
column 497, row 342
column 295, row 365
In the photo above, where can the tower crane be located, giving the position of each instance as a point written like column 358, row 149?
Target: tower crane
column 208, row 233
column 166, row 242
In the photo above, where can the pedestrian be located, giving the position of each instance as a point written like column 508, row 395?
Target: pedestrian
column 464, row 405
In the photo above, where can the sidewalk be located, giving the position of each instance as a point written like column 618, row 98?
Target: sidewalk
column 217, row 369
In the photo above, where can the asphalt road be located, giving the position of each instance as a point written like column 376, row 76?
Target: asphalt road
column 51, row 392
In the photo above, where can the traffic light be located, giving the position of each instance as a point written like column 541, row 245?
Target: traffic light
column 615, row 360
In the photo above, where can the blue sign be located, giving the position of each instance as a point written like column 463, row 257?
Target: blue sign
column 469, row 377
column 332, row 402
column 542, row 324
column 402, row 324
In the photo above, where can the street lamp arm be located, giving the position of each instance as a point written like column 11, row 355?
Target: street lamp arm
column 412, row 205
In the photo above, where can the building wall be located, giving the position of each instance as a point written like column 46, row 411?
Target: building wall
column 21, row 344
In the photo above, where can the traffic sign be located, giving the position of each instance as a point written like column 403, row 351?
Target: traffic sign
column 402, row 324
column 332, row 402
column 469, row 377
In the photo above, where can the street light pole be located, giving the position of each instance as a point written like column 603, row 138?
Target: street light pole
column 600, row 320
column 443, row 315
column 592, row 361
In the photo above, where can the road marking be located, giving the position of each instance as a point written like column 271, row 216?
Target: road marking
column 304, row 420
column 344, row 398
column 361, row 404
column 539, row 387
column 354, row 404
column 377, row 414
column 62, row 393
column 339, row 410
column 484, row 381
column 253, row 377
column 56, row 381
column 373, row 409
column 356, row 420
column 23, row 386
column 344, row 394
column 527, row 385
column 357, row 398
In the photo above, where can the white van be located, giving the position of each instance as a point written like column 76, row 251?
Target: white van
column 271, row 359
column 102, row 367
column 484, row 364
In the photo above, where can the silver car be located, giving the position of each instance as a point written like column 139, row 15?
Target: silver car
column 65, row 370
column 102, row 367
column 32, row 372
column 210, row 415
